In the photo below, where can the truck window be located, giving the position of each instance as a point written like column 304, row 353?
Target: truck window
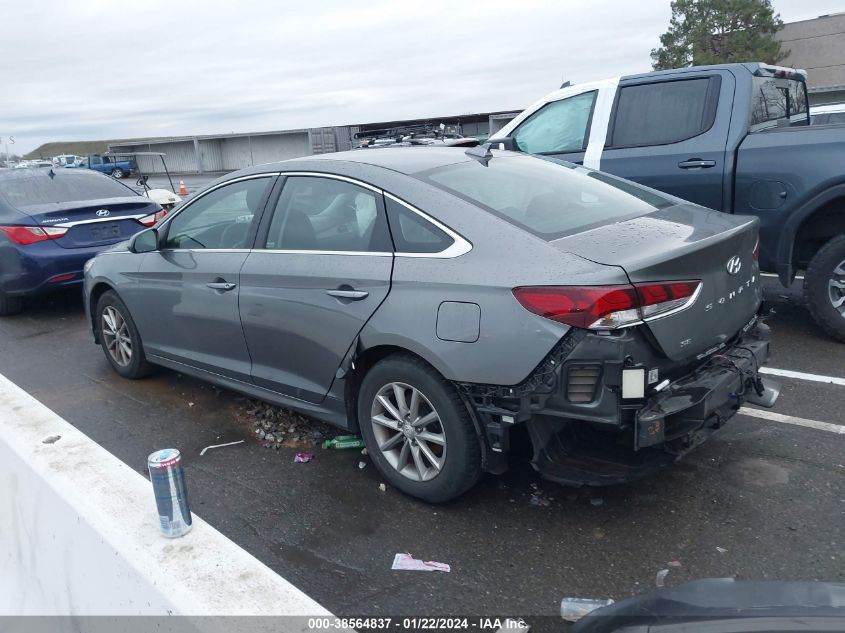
column 776, row 99
column 557, row 127
column 664, row 112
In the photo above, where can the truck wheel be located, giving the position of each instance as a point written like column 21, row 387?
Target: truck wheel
column 120, row 339
column 824, row 287
column 417, row 430
column 10, row 305
column 117, row 173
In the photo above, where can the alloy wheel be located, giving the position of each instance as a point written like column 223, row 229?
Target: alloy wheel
column 836, row 288
column 408, row 431
column 116, row 336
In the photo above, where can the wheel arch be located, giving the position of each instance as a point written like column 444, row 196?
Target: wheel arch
column 813, row 223
column 97, row 291
column 366, row 358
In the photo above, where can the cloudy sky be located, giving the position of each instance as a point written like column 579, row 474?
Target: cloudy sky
column 89, row 69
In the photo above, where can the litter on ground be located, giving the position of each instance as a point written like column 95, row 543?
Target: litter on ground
column 409, row 563
column 303, row 458
column 573, row 609
column 202, row 452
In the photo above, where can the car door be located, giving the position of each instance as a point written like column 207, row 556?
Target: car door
column 560, row 128
column 672, row 135
column 320, row 268
column 185, row 301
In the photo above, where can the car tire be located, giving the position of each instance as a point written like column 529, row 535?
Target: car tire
column 10, row 305
column 117, row 173
column 824, row 288
column 404, row 459
column 118, row 335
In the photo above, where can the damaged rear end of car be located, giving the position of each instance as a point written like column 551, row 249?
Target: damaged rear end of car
column 653, row 362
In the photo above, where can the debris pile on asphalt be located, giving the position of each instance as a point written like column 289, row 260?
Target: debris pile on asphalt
column 275, row 427
column 539, row 497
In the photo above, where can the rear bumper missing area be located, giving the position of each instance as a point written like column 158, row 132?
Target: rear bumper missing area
column 613, row 439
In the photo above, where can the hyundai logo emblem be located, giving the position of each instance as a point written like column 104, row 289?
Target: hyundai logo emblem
column 733, row 265
column 102, row 213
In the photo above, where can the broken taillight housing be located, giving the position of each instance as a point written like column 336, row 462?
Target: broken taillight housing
column 24, row 235
column 152, row 218
column 607, row 307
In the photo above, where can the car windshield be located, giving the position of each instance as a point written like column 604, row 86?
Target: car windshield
column 549, row 198
column 61, row 188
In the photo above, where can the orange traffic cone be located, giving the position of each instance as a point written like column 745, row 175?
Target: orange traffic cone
column 183, row 190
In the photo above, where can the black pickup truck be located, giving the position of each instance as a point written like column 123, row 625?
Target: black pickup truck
column 732, row 137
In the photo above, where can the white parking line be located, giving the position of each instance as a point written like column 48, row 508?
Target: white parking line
column 788, row 373
column 789, row 419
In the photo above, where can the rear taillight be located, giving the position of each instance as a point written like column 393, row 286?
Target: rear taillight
column 152, row 218
column 662, row 297
column 755, row 252
column 24, row 235
column 607, row 307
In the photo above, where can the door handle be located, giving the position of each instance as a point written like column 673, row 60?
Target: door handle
column 355, row 295
column 696, row 163
column 221, row 285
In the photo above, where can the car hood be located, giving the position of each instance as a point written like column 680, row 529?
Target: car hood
column 721, row 602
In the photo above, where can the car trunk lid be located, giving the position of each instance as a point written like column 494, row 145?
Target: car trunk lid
column 684, row 242
column 93, row 222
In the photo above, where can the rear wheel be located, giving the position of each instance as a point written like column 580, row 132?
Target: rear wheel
column 119, row 338
column 117, row 173
column 824, row 287
column 417, row 430
column 10, row 305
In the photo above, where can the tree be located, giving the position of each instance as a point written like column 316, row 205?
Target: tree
column 705, row 32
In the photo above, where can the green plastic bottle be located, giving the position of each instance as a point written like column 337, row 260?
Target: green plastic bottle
column 344, row 441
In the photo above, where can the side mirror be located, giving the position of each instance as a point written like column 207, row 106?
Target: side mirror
column 144, row 242
column 506, row 142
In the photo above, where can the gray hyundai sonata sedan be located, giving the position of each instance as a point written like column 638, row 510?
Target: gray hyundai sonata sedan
column 441, row 302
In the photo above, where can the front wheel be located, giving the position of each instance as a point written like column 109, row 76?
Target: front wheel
column 119, row 338
column 824, row 287
column 117, row 173
column 417, row 430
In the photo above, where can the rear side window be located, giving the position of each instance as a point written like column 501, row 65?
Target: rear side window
column 558, row 127
column 412, row 233
column 41, row 189
column 664, row 112
column 774, row 99
column 326, row 214
column 546, row 197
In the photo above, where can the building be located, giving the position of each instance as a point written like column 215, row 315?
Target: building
column 818, row 46
column 228, row 152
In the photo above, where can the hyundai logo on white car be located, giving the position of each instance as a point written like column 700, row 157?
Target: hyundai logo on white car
column 102, row 213
column 733, row 265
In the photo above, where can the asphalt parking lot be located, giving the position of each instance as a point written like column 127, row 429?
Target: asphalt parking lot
column 761, row 500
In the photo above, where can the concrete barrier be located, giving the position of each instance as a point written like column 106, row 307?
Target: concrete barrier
column 79, row 535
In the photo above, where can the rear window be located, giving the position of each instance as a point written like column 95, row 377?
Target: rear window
column 547, row 197
column 42, row 189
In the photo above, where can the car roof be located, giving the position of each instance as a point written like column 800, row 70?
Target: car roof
column 405, row 160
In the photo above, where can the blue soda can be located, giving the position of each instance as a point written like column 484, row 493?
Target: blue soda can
column 170, row 492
